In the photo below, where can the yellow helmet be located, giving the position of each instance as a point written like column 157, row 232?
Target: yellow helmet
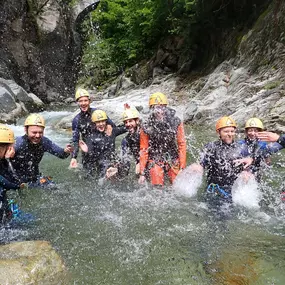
column 80, row 92
column 98, row 115
column 6, row 135
column 157, row 98
column 35, row 120
column 225, row 122
column 254, row 123
column 129, row 114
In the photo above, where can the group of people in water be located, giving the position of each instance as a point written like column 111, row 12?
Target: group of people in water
column 156, row 146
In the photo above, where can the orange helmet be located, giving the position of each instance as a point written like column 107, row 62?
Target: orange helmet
column 225, row 122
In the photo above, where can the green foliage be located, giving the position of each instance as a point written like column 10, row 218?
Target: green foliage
column 128, row 31
column 121, row 33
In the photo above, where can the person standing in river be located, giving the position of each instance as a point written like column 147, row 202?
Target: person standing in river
column 280, row 139
column 81, row 124
column 7, row 151
column 162, row 143
column 29, row 151
column 224, row 161
column 100, row 145
column 254, row 147
column 130, row 146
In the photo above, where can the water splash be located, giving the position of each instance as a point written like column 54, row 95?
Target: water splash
column 187, row 183
column 246, row 193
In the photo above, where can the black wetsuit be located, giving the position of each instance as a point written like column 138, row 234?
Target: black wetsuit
column 130, row 148
column 5, row 184
column 217, row 159
column 101, row 151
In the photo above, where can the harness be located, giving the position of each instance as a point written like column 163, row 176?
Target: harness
column 14, row 208
column 216, row 190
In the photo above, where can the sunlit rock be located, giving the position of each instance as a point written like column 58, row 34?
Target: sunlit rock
column 29, row 262
column 49, row 18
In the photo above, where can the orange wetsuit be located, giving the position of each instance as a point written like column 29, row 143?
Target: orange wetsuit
column 162, row 148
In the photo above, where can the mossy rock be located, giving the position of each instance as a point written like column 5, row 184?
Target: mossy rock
column 30, row 262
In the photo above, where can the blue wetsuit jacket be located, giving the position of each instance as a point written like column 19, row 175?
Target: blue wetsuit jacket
column 259, row 151
column 28, row 157
column 82, row 125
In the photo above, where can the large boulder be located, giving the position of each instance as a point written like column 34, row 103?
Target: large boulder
column 30, row 262
column 15, row 101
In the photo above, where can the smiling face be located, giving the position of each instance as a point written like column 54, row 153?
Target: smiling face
column 84, row 103
column 101, row 125
column 35, row 134
column 227, row 134
column 131, row 125
column 251, row 133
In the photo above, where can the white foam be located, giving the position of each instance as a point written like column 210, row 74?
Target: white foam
column 187, row 183
column 246, row 193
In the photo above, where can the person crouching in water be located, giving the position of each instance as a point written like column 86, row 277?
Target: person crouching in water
column 162, row 143
column 30, row 149
column 100, row 145
column 259, row 150
column 7, row 151
column 223, row 161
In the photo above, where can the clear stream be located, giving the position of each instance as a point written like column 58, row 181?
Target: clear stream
column 126, row 234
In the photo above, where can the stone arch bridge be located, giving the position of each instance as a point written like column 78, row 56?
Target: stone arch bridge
column 84, row 7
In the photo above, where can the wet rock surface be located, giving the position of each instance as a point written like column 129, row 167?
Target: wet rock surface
column 30, row 262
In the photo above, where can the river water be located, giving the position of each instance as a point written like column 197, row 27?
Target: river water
column 129, row 234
